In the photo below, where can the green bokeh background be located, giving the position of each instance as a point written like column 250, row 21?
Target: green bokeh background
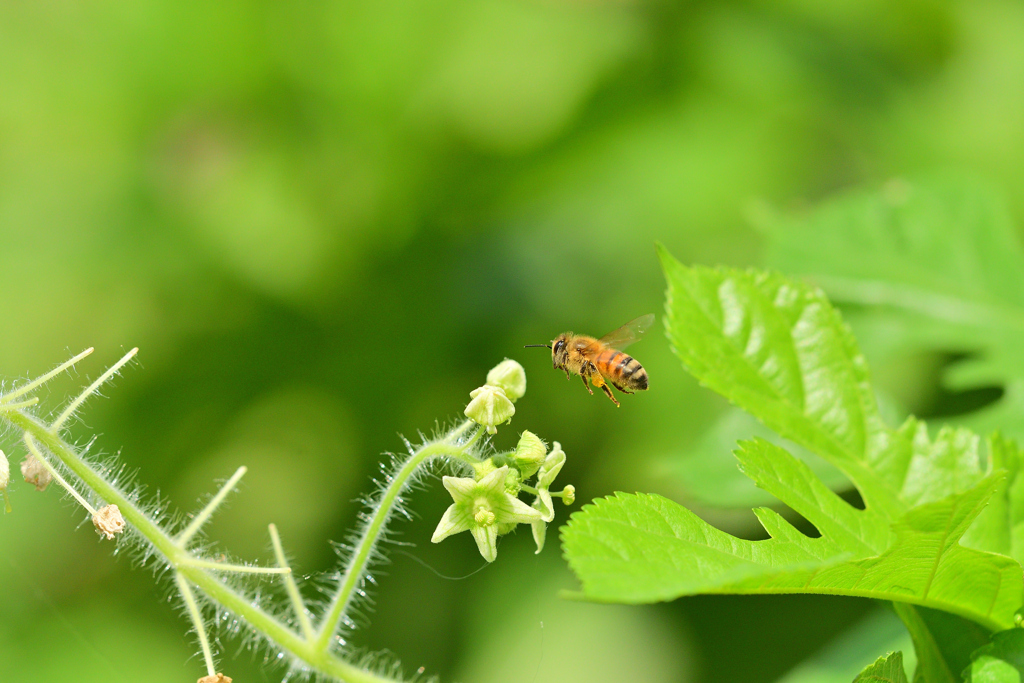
column 322, row 222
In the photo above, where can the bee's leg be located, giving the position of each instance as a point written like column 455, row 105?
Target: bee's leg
column 598, row 381
column 567, row 376
column 622, row 389
column 585, row 385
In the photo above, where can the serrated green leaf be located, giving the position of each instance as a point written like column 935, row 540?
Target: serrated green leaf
column 841, row 660
column 645, row 548
column 943, row 642
column 777, row 349
column 999, row 661
column 780, row 351
column 887, row 669
column 937, row 264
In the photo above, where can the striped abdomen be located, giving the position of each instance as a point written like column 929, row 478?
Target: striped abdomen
column 624, row 371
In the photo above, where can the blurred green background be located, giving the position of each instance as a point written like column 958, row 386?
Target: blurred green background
column 322, row 222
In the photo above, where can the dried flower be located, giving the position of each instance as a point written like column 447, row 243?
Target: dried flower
column 35, row 473
column 108, row 521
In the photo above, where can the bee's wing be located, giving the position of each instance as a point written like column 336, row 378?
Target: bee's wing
column 628, row 333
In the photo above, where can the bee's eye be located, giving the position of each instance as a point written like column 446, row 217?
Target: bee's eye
column 559, row 345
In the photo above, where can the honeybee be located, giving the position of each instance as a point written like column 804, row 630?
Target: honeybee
column 601, row 360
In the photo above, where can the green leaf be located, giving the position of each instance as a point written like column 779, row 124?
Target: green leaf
column 779, row 350
column 937, row 265
column 1000, row 661
column 943, row 642
column 888, row 669
column 842, row 659
column 645, row 548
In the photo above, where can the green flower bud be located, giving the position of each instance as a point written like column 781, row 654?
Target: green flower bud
column 483, row 468
column 513, row 482
column 509, row 376
column 529, row 454
column 569, row 494
column 489, row 407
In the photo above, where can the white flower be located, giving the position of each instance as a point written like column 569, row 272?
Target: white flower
column 481, row 507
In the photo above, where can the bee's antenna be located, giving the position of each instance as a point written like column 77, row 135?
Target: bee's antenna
column 541, row 345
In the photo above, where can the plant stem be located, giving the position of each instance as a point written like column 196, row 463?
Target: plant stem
column 356, row 568
column 39, row 381
column 216, row 589
column 291, row 586
column 205, row 513
column 37, row 454
column 91, row 389
column 197, row 620
column 238, row 568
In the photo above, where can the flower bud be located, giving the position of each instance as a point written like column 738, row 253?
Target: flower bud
column 569, row 494
column 108, row 521
column 35, row 473
column 489, row 407
column 5, row 479
column 509, row 376
column 483, row 468
column 513, row 482
column 529, row 454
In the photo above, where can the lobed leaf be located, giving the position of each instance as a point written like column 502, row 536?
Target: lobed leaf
column 887, row 669
column 1001, row 660
column 779, row 350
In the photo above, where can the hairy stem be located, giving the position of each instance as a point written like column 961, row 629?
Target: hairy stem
column 197, row 621
column 291, row 586
column 37, row 454
column 205, row 513
column 178, row 558
column 311, row 646
column 91, row 389
column 39, row 381
column 363, row 551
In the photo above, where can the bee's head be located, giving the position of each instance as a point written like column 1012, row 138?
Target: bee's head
column 560, row 351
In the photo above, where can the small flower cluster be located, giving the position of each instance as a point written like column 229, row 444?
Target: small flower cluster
column 487, row 504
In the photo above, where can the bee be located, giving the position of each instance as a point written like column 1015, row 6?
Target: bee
column 602, row 360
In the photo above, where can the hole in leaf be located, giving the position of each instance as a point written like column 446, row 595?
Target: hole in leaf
column 852, row 496
column 945, row 403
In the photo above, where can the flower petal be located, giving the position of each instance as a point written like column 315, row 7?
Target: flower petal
column 462, row 489
column 540, row 529
column 517, row 511
column 454, row 521
column 487, row 541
